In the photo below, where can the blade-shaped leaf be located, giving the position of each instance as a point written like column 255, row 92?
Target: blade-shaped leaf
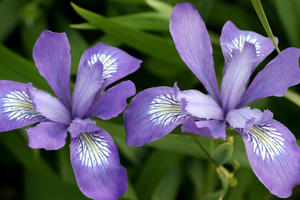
column 14, row 67
column 155, row 168
column 147, row 43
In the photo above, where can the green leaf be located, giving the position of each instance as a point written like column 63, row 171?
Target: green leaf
column 196, row 171
column 223, row 152
column 150, row 21
column 168, row 188
column 15, row 67
column 155, row 168
column 293, row 97
column 147, row 43
column 263, row 19
column 289, row 15
column 37, row 188
column 83, row 26
column 65, row 167
column 160, row 6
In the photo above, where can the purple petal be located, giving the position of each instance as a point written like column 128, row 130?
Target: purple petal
column 206, row 128
column 87, row 86
column 47, row 135
column 274, row 156
column 79, row 126
column 245, row 118
column 274, row 80
column 96, row 164
column 233, row 39
column 52, row 57
column 152, row 114
column 113, row 101
column 49, row 106
column 237, row 76
column 192, row 42
column 116, row 63
column 199, row 105
column 16, row 109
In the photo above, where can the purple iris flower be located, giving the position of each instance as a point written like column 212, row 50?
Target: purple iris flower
column 272, row 150
column 94, row 155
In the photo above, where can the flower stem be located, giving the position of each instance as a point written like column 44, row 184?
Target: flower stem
column 205, row 151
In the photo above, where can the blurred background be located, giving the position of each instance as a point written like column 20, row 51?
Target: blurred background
column 173, row 167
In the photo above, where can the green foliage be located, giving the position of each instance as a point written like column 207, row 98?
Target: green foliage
column 173, row 167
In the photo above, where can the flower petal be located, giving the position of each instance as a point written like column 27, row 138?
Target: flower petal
column 82, row 125
column 199, row 105
column 152, row 114
column 49, row 106
column 206, row 128
column 274, row 156
column 52, row 57
column 245, row 118
column 96, row 164
column 237, row 76
column 88, row 83
column 16, row 109
column 113, row 101
column 192, row 42
column 116, row 63
column 47, row 135
column 233, row 39
column 274, row 80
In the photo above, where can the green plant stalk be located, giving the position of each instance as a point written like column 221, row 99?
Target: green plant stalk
column 263, row 19
column 293, row 97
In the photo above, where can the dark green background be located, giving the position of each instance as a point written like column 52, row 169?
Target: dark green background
column 171, row 168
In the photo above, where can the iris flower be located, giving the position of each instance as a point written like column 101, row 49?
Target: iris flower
column 94, row 155
column 272, row 150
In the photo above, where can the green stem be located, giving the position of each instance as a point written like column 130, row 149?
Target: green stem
column 210, row 176
column 293, row 97
column 263, row 19
column 205, row 151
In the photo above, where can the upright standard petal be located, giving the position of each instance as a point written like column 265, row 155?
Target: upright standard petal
column 16, row 108
column 52, row 57
column 49, row 106
column 192, row 42
column 206, row 128
column 113, row 101
column 274, row 156
column 152, row 114
column 237, row 76
column 96, row 164
column 88, row 83
column 274, row 80
column 233, row 39
column 116, row 63
column 47, row 135
column 199, row 105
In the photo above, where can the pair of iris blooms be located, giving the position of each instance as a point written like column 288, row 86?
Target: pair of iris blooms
column 272, row 150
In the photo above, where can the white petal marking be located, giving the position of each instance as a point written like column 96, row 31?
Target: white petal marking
column 266, row 141
column 18, row 105
column 93, row 150
column 239, row 41
column 164, row 109
column 110, row 65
